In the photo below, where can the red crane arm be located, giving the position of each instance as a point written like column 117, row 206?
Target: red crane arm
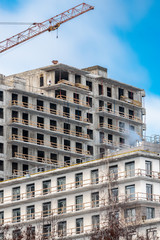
column 48, row 25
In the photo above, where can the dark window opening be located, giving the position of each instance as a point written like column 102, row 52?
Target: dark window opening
column 1, row 112
column 25, row 135
column 66, row 112
column 53, row 108
column 110, row 123
column 14, row 116
column 109, row 92
column 40, row 139
column 78, row 131
column 90, row 133
column 102, row 152
column 121, row 111
column 40, row 156
column 76, row 98
column 100, row 89
column 60, row 94
column 130, row 95
column 101, row 137
column 14, row 99
column 60, row 75
column 41, row 80
column 53, row 125
column 25, row 101
column 53, row 158
column 90, row 117
column 109, row 107
column 14, row 150
column 1, row 130
column 67, row 145
column 40, row 122
column 79, row 147
column 78, row 161
column 1, row 96
column 101, row 104
column 25, row 169
column 1, row 148
column 66, row 129
column 77, row 78
column 1, row 165
column 90, row 149
column 66, row 161
column 89, row 101
column 14, row 167
column 131, row 114
column 101, row 121
column 89, row 84
column 110, row 138
column 78, row 114
column 25, row 118
column 120, row 93
column 53, row 141
column 25, row 152
column 121, row 141
column 39, row 105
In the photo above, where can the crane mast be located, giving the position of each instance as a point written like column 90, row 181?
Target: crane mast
column 48, row 25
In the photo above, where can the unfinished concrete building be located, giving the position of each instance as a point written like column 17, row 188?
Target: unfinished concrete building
column 60, row 115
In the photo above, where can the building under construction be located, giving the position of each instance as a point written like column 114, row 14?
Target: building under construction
column 71, row 144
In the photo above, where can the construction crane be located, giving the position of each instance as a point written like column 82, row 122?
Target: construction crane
column 48, row 25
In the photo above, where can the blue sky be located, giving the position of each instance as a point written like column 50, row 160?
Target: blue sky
column 122, row 35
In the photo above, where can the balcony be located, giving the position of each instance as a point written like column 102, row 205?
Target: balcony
column 131, row 101
column 114, row 113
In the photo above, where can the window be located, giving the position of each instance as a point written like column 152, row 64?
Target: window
column 66, row 112
column 114, row 195
column 1, row 112
column 79, row 225
column 16, row 234
column 46, row 231
column 120, row 93
column 14, row 167
column 14, row 116
column 25, row 101
column 89, row 101
column 25, row 152
column 46, row 209
column 130, row 95
column 90, row 133
column 109, row 107
column 53, row 158
column 95, row 199
column 150, row 213
column 130, row 192
column 79, row 180
column 16, row 215
column 30, row 189
column 1, row 96
column 1, row 217
column 78, row 115
column 130, row 214
column 113, row 172
column 53, row 141
column 101, row 104
column 66, row 161
column 121, row 126
column 76, row 98
column 78, row 147
column 148, row 168
column 79, row 203
column 149, row 192
column 40, row 122
column 90, row 150
column 130, row 169
column 131, row 114
column 89, row 84
column 41, row 81
column 30, row 212
column 110, row 138
column 14, row 133
column 59, row 74
column 121, row 141
column 25, row 118
column 1, row 130
column 25, row 169
column 100, row 89
column 16, row 194
column 60, row 94
column 95, row 222
column 61, row 184
column 66, row 128
column 46, row 187
column 131, row 128
column 1, row 165
column 62, row 229
column 40, row 139
column 94, row 176
column 101, row 121
column 62, row 206
column 1, row 196
column 39, row 105
column 77, row 78
column 121, row 111
column 40, row 156
column 53, row 108
column 25, row 135
column 14, row 99
column 90, row 117
column 78, row 161
column 78, row 131
column 109, row 92
column 67, row 145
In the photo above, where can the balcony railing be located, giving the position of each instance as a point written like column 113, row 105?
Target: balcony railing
column 131, row 101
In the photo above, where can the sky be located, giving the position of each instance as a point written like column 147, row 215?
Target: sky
column 122, row 35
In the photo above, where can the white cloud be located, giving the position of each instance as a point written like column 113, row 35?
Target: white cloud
column 153, row 114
